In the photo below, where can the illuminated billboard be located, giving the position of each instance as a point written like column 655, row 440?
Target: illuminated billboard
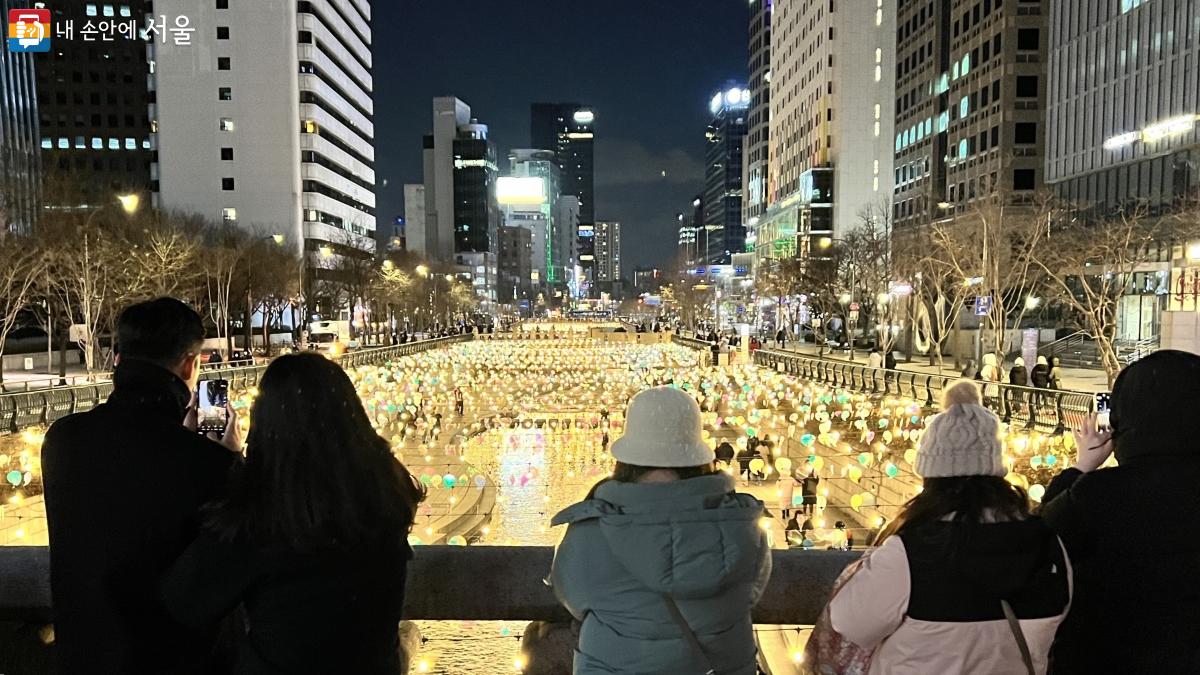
column 521, row 190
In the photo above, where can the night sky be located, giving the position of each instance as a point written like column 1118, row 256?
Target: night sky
column 647, row 67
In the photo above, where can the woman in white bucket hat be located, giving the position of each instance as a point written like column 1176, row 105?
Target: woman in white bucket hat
column 663, row 562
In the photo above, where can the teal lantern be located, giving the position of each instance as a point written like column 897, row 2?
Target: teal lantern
column 864, row 458
column 1051, row 460
column 14, row 477
column 891, row 470
column 807, row 440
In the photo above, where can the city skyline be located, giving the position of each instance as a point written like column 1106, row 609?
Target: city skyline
column 649, row 101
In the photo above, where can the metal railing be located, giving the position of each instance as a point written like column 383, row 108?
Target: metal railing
column 42, row 407
column 1049, row 410
column 690, row 342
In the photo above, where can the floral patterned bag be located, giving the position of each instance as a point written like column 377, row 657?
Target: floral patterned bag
column 827, row 652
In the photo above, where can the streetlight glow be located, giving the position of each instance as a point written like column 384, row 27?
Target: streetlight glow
column 129, row 202
column 423, row 270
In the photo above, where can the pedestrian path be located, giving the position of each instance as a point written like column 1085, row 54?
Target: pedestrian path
column 1073, row 379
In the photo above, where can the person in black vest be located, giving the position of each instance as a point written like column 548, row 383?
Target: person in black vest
column 964, row 569
column 311, row 538
column 124, row 486
column 1146, row 577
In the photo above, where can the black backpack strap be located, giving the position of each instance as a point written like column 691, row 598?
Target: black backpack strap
column 690, row 636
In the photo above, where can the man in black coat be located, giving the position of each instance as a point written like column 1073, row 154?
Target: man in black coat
column 123, row 487
column 1130, row 530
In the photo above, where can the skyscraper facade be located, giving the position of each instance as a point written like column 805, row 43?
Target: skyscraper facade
column 266, row 120
column 535, row 198
column 1124, row 102
column 830, row 122
column 19, row 160
column 758, row 128
column 476, row 211
column 608, row 257
column 93, row 98
column 969, row 125
column 723, row 174
column 569, row 130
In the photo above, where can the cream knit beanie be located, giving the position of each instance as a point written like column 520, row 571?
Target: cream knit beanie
column 963, row 439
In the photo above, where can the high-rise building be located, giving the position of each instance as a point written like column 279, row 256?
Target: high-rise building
column 1123, row 102
column 516, row 273
column 723, row 174
column 532, row 198
column 569, row 130
column 93, row 99
column 969, row 76
column 265, row 120
column 566, row 218
column 693, row 237
column 608, row 257
column 19, row 161
column 476, row 211
column 416, row 232
column 758, row 128
column 830, row 136
column 449, row 114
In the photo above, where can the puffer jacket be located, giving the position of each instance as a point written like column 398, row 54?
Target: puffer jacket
column 694, row 540
column 928, row 600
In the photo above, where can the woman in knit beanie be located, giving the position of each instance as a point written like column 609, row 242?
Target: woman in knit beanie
column 965, row 552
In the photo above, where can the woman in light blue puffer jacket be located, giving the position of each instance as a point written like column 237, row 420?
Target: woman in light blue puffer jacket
column 664, row 561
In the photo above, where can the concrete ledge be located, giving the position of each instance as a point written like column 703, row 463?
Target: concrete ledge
column 476, row 583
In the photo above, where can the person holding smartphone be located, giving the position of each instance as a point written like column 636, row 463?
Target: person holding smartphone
column 1148, row 578
column 311, row 537
column 124, row 485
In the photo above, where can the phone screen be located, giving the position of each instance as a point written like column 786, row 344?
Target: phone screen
column 212, row 415
column 1102, row 418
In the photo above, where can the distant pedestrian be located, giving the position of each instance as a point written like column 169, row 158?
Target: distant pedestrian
column 1018, row 377
column 780, row 339
column 875, row 359
column 889, row 360
column 215, row 357
column 458, row 401
column 1040, row 375
column 1055, row 378
column 785, row 489
column 990, row 374
column 808, row 488
column 725, row 453
column 969, row 371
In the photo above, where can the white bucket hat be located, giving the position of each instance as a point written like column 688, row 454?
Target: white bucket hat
column 663, row 429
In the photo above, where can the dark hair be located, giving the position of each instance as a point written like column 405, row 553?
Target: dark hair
column 316, row 473
column 161, row 331
column 631, row 473
column 969, row 498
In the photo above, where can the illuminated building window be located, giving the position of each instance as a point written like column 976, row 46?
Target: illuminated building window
column 226, row 124
column 229, row 214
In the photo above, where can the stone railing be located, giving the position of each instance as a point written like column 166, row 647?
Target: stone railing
column 39, row 408
column 440, row 579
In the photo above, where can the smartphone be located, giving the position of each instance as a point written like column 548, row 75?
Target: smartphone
column 212, row 415
column 1102, row 423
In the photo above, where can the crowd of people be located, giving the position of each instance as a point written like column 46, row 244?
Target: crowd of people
column 288, row 555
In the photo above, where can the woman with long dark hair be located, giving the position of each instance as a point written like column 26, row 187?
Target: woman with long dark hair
column 311, row 538
column 965, row 580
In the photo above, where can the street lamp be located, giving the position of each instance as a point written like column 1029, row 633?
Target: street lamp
column 129, row 202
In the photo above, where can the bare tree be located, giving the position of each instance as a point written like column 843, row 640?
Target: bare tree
column 1089, row 266
column 21, row 266
column 939, row 291
column 991, row 248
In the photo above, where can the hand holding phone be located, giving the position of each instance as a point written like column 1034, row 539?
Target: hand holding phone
column 213, row 407
column 1102, row 411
